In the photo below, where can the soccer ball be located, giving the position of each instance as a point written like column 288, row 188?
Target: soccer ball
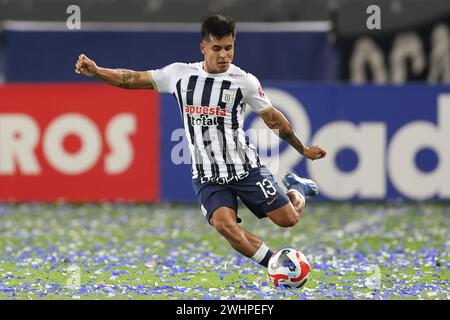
column 288, row 267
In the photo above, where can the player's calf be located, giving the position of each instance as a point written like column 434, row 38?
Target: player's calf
column 224, row 221
column 243, row 241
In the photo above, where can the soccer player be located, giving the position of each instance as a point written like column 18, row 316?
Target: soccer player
column 212, row 96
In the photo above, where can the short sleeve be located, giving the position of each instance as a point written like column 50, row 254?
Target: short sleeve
column 254, row 96
column 162, row 78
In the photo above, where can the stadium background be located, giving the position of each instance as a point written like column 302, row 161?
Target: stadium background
column 377, row 100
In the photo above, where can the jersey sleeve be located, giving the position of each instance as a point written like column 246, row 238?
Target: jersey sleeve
column 163, row 78
column 254, row 95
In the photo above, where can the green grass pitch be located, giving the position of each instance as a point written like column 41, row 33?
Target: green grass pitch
column 123, row 251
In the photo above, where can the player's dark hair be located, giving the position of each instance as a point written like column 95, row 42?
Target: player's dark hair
column 218, row 27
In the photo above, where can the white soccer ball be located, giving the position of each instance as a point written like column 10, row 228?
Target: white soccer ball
column 288, row 267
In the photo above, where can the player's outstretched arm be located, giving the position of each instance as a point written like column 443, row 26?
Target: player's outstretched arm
column 276, row 121
column 123, row 78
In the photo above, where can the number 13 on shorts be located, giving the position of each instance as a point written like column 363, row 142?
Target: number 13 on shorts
column 267, row 188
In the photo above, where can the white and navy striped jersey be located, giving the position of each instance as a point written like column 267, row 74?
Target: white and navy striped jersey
column 212, row 108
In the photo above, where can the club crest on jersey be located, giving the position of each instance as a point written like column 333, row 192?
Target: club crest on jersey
column 228, row 96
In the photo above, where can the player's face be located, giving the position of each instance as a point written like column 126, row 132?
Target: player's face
column 218, row 53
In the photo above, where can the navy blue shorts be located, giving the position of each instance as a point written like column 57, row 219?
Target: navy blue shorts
column 257, row 189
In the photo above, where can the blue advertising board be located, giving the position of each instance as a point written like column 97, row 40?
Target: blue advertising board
column 383, row 142
column 49, row 56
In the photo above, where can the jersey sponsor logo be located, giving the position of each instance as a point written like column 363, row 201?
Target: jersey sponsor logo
column 204, row 121
column 204, row 116
column 204, row 110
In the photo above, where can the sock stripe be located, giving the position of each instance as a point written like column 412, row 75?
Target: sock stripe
column 262, row 255
column 265, row 261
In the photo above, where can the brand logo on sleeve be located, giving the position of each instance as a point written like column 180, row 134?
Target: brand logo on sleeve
column 261, row 92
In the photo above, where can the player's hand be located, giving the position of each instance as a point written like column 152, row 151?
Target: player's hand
column 85, row 66
column 314, row 153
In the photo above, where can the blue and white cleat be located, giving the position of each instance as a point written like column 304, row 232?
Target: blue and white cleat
column 309, row 187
